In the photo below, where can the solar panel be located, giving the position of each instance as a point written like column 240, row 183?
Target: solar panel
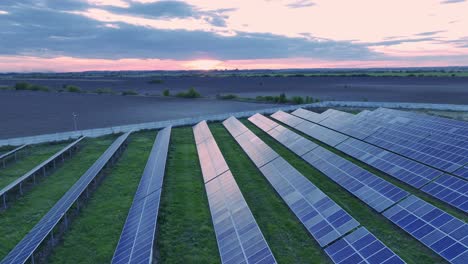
column 322, row 217
column 462, row 172
column 451, row 190
column 238, row 236
column 234, row 129
column 137, row 239
column 41, row 168
column 287, row 119
column 265, row 124
column 361, row 247
column 25, row 249
column 309, row 115
column 291, row 140
column 325, row 135
column 260, row 153
column 4, row 156
column 399, row 167
column 441, row 232
column 371, row 189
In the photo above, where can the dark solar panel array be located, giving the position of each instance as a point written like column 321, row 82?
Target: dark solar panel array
column 137, row 239
column 448, row 188
column 238, row 236
column 325, row 135
column 462, row 172
column 38, row 169
column 451, row 190
column 405, row 170
column 371, row 189
column 322, row 217
column 441, row 232
column 361, row 247
column 27, row 246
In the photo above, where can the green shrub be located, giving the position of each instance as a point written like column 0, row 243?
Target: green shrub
column 72, row 89
column 36, row 87
column 282, row 98
column 166, row 92
column 129, row 92
column 22, row 86
column 297, row 100
column 191, row 93
column 156, row 81
column 104, row 91
column 228, row 97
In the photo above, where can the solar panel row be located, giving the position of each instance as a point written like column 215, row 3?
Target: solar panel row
column 453, row 251
column 137, row 239
column 25, row 249
column 238, row 236
column 41, row 168
column 374, row 191
column 325, row 135
column 441, row 232
column 361, row 247
column 451, row 190
column 323, row 218
column 405, row 170
column 13, row 152
column 448, row 189
column 403, row 135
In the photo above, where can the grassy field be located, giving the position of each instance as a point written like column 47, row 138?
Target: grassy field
column 399, row 241
column 16, row 221
column 185, row 232
column 287, row 237
column 37, row 154
column 94, row 234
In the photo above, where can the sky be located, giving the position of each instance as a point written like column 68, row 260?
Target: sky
column 84, row 35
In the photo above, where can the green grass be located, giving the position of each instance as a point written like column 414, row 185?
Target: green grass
column 94, row 234
column 287, row 237
column 185, row 232
column 34, row 156
column 399, row 241
column 16, row 221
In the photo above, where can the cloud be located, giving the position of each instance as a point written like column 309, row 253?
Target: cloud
column 173, row 9
column 398, row 41
column 301, row 4
column 32, row 31
column 430, row 33
column 452, row 1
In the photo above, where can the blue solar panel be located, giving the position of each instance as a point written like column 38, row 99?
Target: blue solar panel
column 318, row 132
column 451, row 190
column 462, row 172
column 322, row 217
column 263, row 123
column 27, row 246
column 309, row 115
column 137, row 239
column 361, row 247
column 238, row 236
column 371, row 189
column 291, row 140
column 399, row 167
column 17, row 184
column 441, row 232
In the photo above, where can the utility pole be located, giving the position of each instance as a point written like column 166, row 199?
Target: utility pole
column 74, row 120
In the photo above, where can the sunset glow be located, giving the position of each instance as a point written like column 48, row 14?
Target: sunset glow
column 81, row 35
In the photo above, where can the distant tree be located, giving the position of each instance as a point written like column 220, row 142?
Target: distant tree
column 166, row 92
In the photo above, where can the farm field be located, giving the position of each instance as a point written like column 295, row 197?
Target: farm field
column 393, row 89
column 185, row 232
